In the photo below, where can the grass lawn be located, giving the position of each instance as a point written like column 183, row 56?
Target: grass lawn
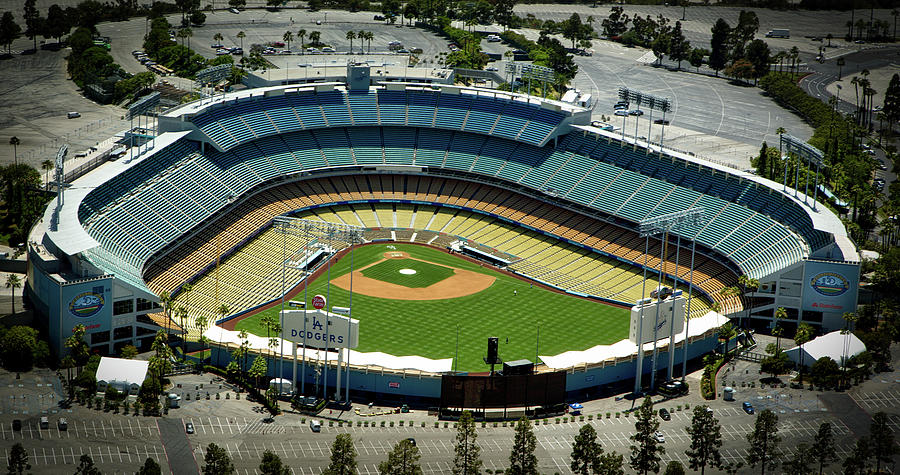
column 425, row 273
column 429, row 328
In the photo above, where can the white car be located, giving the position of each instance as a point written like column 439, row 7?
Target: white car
column 659, row 437
column 312, row 50
column 328, row 49
column 234, row 10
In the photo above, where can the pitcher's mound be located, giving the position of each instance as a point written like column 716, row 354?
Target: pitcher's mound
column 407, row 271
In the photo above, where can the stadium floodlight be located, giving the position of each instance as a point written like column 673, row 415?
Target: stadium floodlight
column 678, row 220
column 59, row 175
column 310, row 232
column 651, row 102
column 138, row 109
column 530, row 71
column 671, row 221
column 213, row 74
column 809, row 154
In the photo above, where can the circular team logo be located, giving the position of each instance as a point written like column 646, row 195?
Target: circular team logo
column 86, row 304
column 318, row 302
column 830, row 284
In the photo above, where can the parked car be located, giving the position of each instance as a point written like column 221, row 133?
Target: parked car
column 621, row 113
column 328, row 49
column 73, row 115
column 636, row 112
column 62, row 424
column 661, row 121
column 234, row 10
column 277, row 44
column 315, row 425
column 378, row 18
column 189, row 427
column 17, row 424
column 664, row 414
column 748, row 408
column 659, row 437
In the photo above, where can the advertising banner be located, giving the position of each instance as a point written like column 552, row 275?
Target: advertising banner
column 309, row 327
column 830, row 287
column 88, row 303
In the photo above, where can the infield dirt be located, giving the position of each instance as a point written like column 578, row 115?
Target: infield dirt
column 460, row 284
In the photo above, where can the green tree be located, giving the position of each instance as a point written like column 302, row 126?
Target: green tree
column 9, row 30
column 801, row 462
column 696, row 57
column 343, row 456
column 612, row 463
column 780, row 314
column 726, row 334
column 646, row 451
column 32, row 21
column 58, row 24
column 740, row 69
column 616, row 23
column 240, row 36
column 403, row 459
column 314, row 38
column 824, row 372
column 150, row 467
column 679, row 46
column 803, row 335
column 776, row 363
column 258, row 369
column 13, row 282
column 718, row 57
column 467, row 459
column 351, row 35
column 301, row 35
column 760, row 57
column 823, row 451
column 17, row 347
column 586, row 451
column 78, row 348
column 271, row 465
column 217, row 461
column 86, row 466
column 522, row 460
column 857, row 463
column 17, row 462
column 764, row 442
column 891, row 103
column 674, row 468
column 882, row 437
column 705, row 434
column 288, row 37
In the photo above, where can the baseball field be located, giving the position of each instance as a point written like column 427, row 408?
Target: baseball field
column 412, row 300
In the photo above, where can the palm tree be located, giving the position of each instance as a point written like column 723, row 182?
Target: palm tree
column 13, row 282
column 288, row 37
column 14, row 141
column 47, row 165
column 726, row 333
column 351, row 35
column 829, row 37
column 222, row 311
column 201, row 322
column 369, row 37
column 166, row 301
column 241, row 35
column 314, row 38
column 749, row 285
column 218, row 38
column 361, row 36
column 300, row 35
column 780, row 314
column 804, row 334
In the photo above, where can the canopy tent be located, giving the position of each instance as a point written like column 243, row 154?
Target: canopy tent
column 834, row 345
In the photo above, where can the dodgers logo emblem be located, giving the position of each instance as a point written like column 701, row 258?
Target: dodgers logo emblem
column 830, row 284
column 86, row 304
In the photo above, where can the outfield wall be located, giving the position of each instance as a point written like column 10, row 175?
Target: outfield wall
column 425, row 388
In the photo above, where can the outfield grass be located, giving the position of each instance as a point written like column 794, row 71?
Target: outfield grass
column 429, row 328
column 426, row 273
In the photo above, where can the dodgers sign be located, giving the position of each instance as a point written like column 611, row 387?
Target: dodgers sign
column 830, row 287
column 320, row 329
column 87, row 304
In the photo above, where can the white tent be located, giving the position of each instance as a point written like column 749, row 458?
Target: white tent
column 126, row 376
column 834, row 345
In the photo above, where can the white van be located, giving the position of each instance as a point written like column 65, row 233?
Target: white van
column 73, row 115
column 315, row 426
column 45, row 422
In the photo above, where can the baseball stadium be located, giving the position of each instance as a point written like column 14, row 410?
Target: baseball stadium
column 436, row 216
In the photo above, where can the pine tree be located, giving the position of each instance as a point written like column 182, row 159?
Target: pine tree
column 150, row 467
column 882, row 438
column 645, row 454
column 86, row 466
column 217, row 461
column 343, row 456
column 718, row 57
column 762, row 161
column 468, row 454
column 402, row 460
column 271, row 465
column 586, row 451
column 823, row 449
column 764, row 441
column 522, row 460
column 706, row 438
column 612, row 463
column 17, row 463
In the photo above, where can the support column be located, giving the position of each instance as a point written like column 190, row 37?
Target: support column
column 337, row 378
column 294, row 361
